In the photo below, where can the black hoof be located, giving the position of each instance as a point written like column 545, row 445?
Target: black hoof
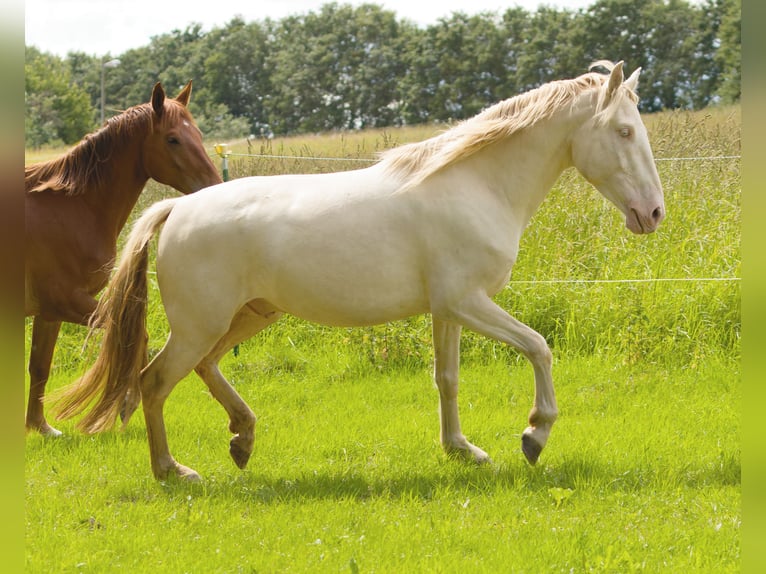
column 530, row 448
column 240, row 455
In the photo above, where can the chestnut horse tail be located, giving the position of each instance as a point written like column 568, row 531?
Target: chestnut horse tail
column 121, row 312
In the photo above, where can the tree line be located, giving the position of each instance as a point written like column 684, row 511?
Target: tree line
column 346, row 67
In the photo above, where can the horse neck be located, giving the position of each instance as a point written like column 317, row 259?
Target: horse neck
column 116, row 192
column 525, row 166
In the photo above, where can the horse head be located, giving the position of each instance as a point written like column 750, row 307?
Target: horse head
column 173, row 151
column 611, row 150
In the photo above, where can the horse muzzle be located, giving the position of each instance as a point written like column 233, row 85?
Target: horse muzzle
column 644, row 219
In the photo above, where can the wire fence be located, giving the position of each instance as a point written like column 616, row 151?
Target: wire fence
column 607, row 281
column 535, row 281
column 374, row 160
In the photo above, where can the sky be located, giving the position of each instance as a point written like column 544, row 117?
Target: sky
column 101, row 27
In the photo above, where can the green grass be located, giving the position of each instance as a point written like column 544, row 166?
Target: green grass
column 641, row 473
column 347, row 469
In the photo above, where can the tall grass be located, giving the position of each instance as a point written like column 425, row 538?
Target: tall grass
column 576, row 239
column 642, row 471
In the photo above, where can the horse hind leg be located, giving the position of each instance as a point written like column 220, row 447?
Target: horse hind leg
column 252, row 318
column 44, row 336
column 176, row 359
column 446, row 339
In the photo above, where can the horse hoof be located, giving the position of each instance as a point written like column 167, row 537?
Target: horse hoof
column 479, row 456
column 468, row 453
column 176, row 472
column 190, row 476
column 238, row 454
column 186, row 474
column 531, row 449
column 48, row 431
column 125, row 413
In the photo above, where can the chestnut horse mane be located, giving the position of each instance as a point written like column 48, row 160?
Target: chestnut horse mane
column 87, row 165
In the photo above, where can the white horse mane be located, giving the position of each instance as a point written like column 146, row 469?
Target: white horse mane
column 415, row 162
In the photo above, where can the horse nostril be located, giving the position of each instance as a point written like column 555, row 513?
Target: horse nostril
column 657, row 214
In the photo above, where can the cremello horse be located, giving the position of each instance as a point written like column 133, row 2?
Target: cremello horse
column 433, row 227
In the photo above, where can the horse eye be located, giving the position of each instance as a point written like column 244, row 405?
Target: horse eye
column 173, row 140
column 625, row 132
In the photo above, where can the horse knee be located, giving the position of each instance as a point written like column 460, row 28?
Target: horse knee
column 538, row 352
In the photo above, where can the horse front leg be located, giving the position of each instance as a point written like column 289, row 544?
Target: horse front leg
column 446, row 372
column 44, row 337
column 480, row 314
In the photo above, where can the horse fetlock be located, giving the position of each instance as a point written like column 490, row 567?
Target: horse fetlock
column 543, row 417
column 242, row 425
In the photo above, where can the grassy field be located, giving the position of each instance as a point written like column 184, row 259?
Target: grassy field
column 642, row 471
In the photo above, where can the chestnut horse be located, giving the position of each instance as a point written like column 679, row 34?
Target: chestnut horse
column 434, row 227
column 76, row 205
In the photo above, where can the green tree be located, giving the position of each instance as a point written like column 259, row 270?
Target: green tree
column 618, row 30
column 374, row 62
column 676, row 56
column 236, row 73
column 349, row 67
column 728, row 57
column 56, row 108
column 549, row 49
column 455, row 69
column 514, row 30
column 85, row 72
column 173, row 59
column 335, row 69
column 673, row 41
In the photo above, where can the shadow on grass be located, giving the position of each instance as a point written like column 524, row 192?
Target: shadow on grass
column 460, row 478
column 431, row 479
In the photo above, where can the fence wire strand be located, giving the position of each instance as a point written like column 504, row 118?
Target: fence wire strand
column 540, row 281
column 373, row 160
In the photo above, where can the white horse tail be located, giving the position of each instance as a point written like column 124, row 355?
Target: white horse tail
column 121, row 312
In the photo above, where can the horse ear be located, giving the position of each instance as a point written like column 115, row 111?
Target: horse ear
column 158, row 99
column 615, row 80
column 185, row 95
column 632, row 81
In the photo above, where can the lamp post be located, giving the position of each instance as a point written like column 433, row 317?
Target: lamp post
column 110, row 64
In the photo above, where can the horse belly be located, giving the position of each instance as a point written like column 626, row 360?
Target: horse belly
column 339, row 280
column 336, row 262
column 347, row 301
